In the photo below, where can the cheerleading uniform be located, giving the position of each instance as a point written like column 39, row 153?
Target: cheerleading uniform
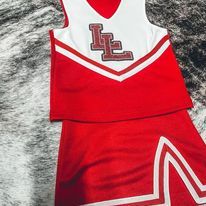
column 127, row 138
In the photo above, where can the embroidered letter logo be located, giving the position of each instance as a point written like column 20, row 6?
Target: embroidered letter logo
column 105, row 42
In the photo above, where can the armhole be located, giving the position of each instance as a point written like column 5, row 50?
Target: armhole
column 66, row 19
column 65, row 15
column 148, row 21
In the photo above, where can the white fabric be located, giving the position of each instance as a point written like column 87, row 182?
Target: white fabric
column 129, row 24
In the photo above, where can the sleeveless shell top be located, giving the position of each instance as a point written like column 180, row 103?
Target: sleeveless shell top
column 112, row 67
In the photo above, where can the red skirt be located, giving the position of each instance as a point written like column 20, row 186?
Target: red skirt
column 159, row 160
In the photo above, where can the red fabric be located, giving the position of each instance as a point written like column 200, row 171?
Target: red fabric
column 78, row 93
column 118, row 73
column 105, row 8
column 107, row 161
column 66, row 20
column 104, row 159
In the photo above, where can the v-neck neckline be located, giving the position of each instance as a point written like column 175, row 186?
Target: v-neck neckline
column 91, row 7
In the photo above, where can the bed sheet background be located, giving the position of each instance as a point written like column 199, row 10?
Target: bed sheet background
column 28, row 141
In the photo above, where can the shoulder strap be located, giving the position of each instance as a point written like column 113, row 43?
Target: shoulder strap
column 128, row 9
column 76, row 9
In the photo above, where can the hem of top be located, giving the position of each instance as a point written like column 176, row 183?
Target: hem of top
column 120, row 116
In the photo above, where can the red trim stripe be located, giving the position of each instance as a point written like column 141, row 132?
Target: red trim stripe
column 66, row 20
column 118, row 73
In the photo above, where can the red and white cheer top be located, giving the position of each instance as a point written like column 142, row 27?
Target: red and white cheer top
column 110, row 63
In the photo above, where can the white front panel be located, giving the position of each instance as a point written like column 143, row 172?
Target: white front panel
column 128, row 25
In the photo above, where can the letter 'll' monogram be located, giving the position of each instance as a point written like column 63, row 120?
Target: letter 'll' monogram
column 103, row 41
